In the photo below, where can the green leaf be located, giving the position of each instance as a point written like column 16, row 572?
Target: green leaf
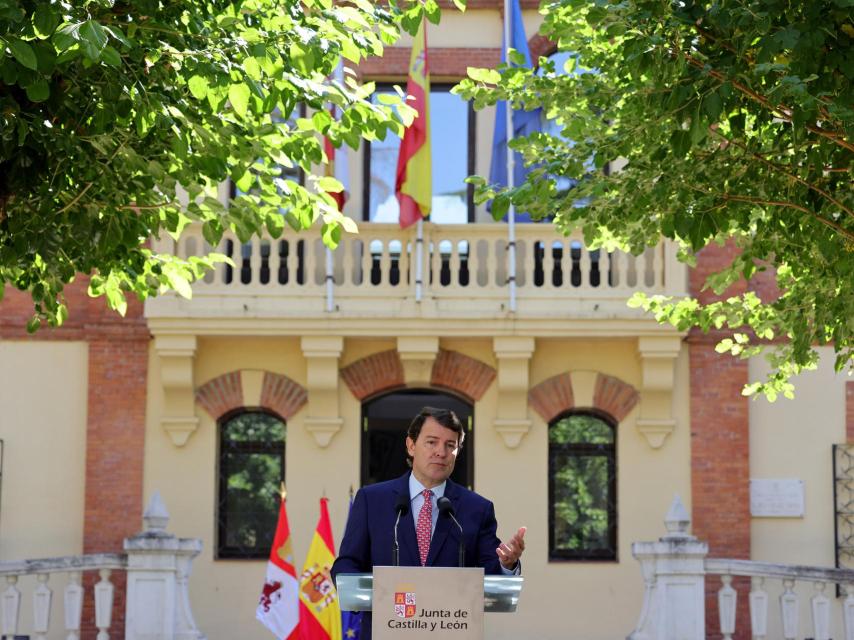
column 238, row 95
column 252, row 68
column 33, row 324
column 23, row 53
column 45, row 20
column 331, row 235
column 110, row 56
column 93, row 39
column 198, row 87
column 39, row 91
column 329, row 184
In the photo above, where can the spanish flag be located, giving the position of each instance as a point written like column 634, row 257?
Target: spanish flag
column 414, row 183
column 319, row 612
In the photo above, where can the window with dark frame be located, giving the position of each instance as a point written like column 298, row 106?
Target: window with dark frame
column 582, row 487
column 251, row 470
column 452, row 131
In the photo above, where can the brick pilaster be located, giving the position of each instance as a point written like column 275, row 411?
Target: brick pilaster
column 720, row 447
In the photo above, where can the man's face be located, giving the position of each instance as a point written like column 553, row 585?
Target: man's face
column 433, row 453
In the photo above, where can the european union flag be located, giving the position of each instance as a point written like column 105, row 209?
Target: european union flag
column 524, row 122
column 351, row 624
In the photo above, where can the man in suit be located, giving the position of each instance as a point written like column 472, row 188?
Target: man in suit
column 433, row 440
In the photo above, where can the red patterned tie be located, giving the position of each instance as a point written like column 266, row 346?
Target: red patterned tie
column 425, row 525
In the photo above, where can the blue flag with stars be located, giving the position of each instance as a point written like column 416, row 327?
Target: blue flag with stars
column 524, row 122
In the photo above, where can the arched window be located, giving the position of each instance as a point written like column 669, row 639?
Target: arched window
column 251, row 468
column 582, row 487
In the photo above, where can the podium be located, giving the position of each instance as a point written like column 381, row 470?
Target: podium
column 414, row 602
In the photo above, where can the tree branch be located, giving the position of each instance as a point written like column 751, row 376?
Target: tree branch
column 785, row 113
column 792, row 205
column 781, row 169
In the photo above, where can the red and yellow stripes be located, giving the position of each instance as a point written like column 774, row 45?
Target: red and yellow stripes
column 414, row 183
column 320, row 613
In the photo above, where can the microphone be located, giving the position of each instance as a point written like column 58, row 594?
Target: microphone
column 402, row 508
column 446, row 507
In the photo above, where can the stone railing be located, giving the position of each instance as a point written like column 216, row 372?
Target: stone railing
column 157, row 604
column 373, row 274
column 674, row 570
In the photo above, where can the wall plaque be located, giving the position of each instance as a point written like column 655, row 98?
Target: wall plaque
column 777, row 498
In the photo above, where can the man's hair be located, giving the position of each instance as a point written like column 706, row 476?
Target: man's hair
column 445, row 417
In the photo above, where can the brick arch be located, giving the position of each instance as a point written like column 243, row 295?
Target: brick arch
column 461, row 373
column 614, row 396
column 452, row 370
column 611, row 395
column 540, row 45
column 373, row 374
column 552, row 397
column 279, row 394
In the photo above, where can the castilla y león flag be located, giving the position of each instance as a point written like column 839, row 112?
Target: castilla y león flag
column 278, row 608
column 413, row 184
column 319, row 611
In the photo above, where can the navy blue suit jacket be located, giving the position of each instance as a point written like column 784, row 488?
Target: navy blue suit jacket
column 369, row 536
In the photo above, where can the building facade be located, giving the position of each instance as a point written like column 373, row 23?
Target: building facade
column 584, row 417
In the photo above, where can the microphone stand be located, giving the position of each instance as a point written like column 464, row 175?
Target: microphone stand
column 445, row 506
column 395, row 551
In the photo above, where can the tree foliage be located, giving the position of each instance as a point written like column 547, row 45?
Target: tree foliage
column 110, row 110
column 735, row 121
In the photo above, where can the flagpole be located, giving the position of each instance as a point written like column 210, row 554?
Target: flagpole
column 511, row 212
column 419, row 253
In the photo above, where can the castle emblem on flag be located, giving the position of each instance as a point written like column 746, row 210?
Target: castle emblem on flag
column 404, row 604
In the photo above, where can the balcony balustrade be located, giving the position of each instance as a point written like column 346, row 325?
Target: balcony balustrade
column 464, row 271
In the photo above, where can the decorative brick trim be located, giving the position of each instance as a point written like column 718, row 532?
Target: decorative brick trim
column 541, row 46
column 465, row 375
column 115, row 443
column 221, row 395
column 849, row 412
column 615, row 397
column 282, row 395
column 720, row 468
column 445, row 62
column 375, row 373
column 552, row 397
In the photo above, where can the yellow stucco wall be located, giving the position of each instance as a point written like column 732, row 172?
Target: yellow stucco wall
column 793, row 439
column 224, row 592
column 43, row 387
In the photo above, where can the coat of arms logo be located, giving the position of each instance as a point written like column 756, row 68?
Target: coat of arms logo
column 404, row 604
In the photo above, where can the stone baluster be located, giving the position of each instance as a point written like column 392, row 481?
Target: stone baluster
column 657, row 283
column 73, row 605
column 848, row 611
column 727, row 597
column 104, row 604
column 255, row 260
column 42, row 598
column 789, row 610
column 11, row 607
column 758, row 608
column 620, row 270
column 585, row 266
column 820, row 613
column 292, row 261
column 275, row 261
